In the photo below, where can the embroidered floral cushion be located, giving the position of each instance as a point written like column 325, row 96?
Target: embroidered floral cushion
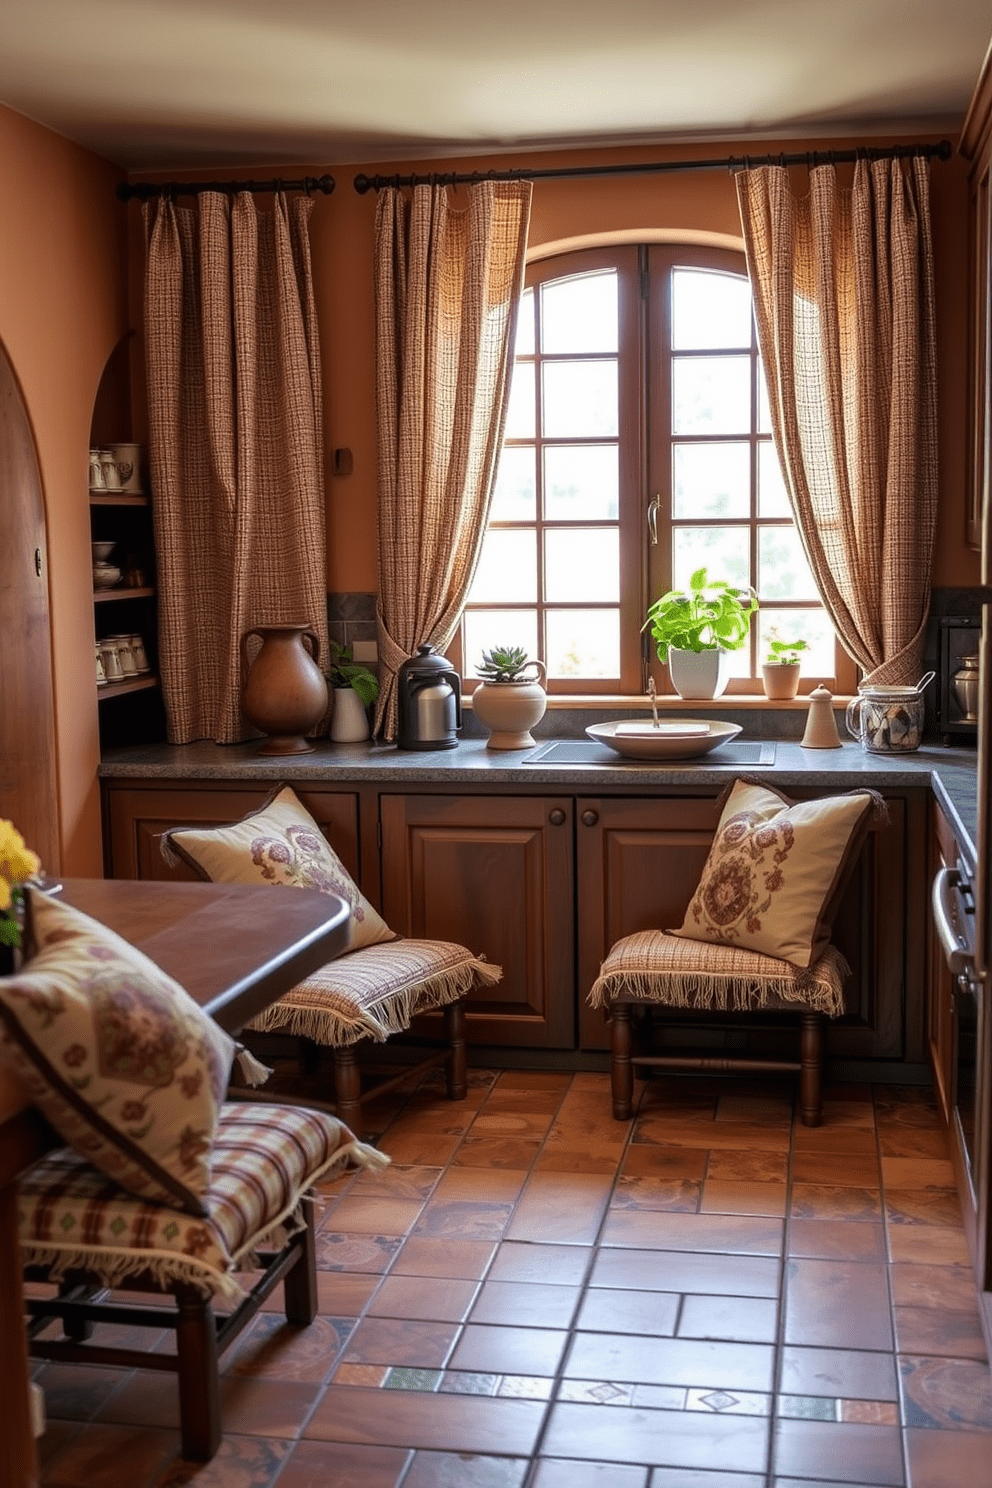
column 776, row 871
column 126, row 1066
column 280, row 843
column 265, row 1158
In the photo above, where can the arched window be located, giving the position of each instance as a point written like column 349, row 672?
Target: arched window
column 637, row 450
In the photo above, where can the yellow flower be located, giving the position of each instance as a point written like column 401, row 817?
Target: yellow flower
column 4, row 895
column 17, row 862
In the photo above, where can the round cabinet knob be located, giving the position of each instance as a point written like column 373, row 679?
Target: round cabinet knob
column 556, row 817
column 590, row 818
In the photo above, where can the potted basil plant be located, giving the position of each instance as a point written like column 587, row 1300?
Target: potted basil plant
column 695, row 629
column 355, row 688
column 781, row 667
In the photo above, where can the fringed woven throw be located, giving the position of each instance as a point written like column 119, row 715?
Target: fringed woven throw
column 376, row 991
column 653, row 966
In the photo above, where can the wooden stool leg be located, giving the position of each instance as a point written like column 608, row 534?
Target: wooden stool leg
column 811, row 1068
column 456, row 1067
column 348, row 1087
column 621, row 1070
column 300, row 1285
column 199, row 1384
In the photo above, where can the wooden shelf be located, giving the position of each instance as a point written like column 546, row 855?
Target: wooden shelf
column 101, row 596
column 133, row 684
column 117, row 498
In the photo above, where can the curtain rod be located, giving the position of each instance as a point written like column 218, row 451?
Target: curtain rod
column 143, row 190
column 809, row 158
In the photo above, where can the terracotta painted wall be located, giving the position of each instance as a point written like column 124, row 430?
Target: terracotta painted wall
column 63, row 307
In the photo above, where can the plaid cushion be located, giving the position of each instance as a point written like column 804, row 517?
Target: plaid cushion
column 125, row 1065
column 653, row 966
column 376, row 991
column 264, row 1158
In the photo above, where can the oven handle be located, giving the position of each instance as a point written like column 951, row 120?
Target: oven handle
column 959, row 959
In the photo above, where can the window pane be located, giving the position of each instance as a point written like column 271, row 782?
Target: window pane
column 515, row 493
column 811, row 626
column 711, row 395
column 773, row 500
column 583, row 643
column 722, row 550
column 580, row 398
column 520, row 410
column 485, row 629
column 580, row 314
column 507, row 571
column 764, row 407
column 582, row 563
column 711, row 480
column 581, row 480
column 710, row 309
column 524, row 345
column 783, row 572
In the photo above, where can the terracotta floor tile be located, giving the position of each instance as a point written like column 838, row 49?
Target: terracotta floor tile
column 535, row 1351
column 928, row 1245
column 670, row 1361
column 764, row 1110
column 419, row 1146
column 723, row 1197
column 835, row 1240
column 312, row 1465
column 607, row 1310
column 700, row 1232
column 929, row 1330
column 687, row 1271
column 563, row 1265
column 466, row 1260
column 460, row 1185
column 947, row 1393
column 534, row 1102
column 411, row 1418
column 374, row 1216
column 147, row 1398
column 846, row 1453
column 369, row 1253
column 681, row 1477
column 837, row 1304
column 565, row 1473
column 399, row 1181
column 74, row 1394
column 665, row 1438
column 645, row 1160
column 465, row 1470
column 739, row 1166
column 932, row 1206
column 559, row 1157
column 519, row 1125
column 525, row 1304
column 92, row 1459
column 265, row 1407
column 275, row 1349
column 241, row 1462
column 837, row 1169
column 341, row 1294
column 560, row 1207
column 917, row 1172
column 672, row 1195
column 440, row 1299
column 419, row 1345
column 523, row 1079
column 913, row 1141
column 858, row 1141
column 951, row 1288
column 938, row 1459
column 854, row 1373
column 823, row 1202
column 497, row 1152
column 735, row 1319
column 677, row 1130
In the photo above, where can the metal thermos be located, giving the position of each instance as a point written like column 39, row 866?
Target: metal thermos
column 430, row 702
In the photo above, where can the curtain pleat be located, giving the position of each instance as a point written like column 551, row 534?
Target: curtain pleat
column 447, row 291
column 842, row 282
column 236, row 444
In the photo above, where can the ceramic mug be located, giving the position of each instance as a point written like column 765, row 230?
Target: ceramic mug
column 97, row 482
column 127, row 459
column 101, row 676
column 112, row 668
column 111, row 475
column 139, row 653
column 128, row 665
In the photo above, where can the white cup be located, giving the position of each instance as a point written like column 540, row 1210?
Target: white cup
column 128, row 664
column 97, row 482
column 112, row 668
column 111, row 475
column 139, row 653
column 101, row 676
column 127, row 458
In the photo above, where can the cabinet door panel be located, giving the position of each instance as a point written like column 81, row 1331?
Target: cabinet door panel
column 137, row 819
column 495, row 875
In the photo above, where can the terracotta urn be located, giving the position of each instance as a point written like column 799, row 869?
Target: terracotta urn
column 510, row 710
column 285, row 694
column 781, row 679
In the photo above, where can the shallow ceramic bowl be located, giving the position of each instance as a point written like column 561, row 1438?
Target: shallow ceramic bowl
column 102, row 550
column 676, row 738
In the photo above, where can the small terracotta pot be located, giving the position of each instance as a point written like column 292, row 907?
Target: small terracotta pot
column 781, row 680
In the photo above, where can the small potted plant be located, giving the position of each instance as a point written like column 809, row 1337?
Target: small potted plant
column 506, row 701
column 356, row 687
column 780, row 670
column 694, row 629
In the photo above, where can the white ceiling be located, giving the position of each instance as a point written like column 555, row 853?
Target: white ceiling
column 184, row 83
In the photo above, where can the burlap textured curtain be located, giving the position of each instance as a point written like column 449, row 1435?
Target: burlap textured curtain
column 447, row 289
column 842, row 282
column 236, row 450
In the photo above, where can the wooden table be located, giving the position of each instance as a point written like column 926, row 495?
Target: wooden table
column 235, row 948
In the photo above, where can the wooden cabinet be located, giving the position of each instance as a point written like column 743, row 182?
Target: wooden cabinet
column 976, row 146
column 496, row 874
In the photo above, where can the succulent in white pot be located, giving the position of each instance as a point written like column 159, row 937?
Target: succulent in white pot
column 507, row 701
column 695, row 629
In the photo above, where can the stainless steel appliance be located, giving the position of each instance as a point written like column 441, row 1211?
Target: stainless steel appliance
column 429, row 697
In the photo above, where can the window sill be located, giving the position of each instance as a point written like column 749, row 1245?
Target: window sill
column 666, row 703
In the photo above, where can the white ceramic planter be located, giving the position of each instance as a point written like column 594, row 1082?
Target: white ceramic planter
column 699, row 674
column 349, row 720
column 510, row 710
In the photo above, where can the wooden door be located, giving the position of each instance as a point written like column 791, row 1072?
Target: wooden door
column 494, row 875
column 28, row 791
